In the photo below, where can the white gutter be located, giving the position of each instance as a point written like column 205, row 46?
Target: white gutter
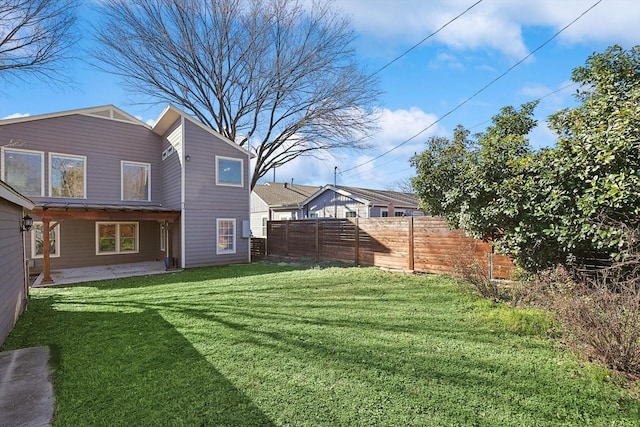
column 183, row 192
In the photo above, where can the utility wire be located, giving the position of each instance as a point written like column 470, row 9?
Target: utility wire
column 539, row 99
column 469, row 128
column 427, row 38
column 457, row 107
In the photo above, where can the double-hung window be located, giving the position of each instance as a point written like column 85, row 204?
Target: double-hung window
column 226, row 236
column 136, row 181
column 67, row 175
column 23, row 170
column 116, row 237
column 229, row 171
column 37, row 240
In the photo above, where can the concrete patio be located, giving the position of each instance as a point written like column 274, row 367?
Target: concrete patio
column 103, row 272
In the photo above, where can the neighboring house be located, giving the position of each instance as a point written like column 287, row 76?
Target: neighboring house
column 111, row 189
column 351, row 202
column 13, row 269
column 277, row 201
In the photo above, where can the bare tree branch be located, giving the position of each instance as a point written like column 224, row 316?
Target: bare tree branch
column 35, row 37
column 278, row 78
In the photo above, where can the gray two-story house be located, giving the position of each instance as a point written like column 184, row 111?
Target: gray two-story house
column 109, row 189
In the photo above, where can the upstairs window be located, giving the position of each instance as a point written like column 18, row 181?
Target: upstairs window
column 135, row 179
column 229, row 171
column 23, row 170
column 67, row 175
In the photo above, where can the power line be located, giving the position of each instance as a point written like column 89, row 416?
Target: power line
column 457, row 107
column 540, row 98
column 469, row 128
column 427, row 38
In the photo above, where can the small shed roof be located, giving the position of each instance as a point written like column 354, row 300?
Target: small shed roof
column 8, row 193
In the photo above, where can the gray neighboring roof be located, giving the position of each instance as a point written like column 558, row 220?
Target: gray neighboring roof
column 383, row 197
column 276, row 194
column 371, row 197
column 9, row 193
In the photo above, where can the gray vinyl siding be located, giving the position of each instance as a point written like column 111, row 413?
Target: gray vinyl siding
column 12, row 268
column 105, row 143
column 326, row 205
column 205, row 201
column 171, row 181
column 78, row 246
column 259, row 210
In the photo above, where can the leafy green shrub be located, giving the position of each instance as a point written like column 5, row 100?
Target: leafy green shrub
column 543, row 207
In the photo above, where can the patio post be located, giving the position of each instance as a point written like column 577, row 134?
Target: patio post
column 169, row 249
column 46, row 279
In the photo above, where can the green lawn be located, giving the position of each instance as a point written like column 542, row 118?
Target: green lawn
column 278, row 345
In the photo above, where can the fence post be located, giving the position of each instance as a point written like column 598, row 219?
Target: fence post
column 317, row 240
column 286, row 235
column 491, row 263
column 411, row 260
column 356, row 255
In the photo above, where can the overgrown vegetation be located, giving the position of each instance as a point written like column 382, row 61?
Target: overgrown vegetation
column 599, row 309
column 282, row 345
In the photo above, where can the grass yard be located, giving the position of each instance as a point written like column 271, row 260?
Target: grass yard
column 271, row 345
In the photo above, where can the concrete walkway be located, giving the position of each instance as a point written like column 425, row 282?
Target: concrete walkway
column 103, row 272
column 26, row 391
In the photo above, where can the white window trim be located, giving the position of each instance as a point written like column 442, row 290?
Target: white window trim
column 383, row 211
column 164, row 232
column 4, row 149
column 84, row 176
column 117, row 251
column 226, row 251
column 56, row 231
column 148, row 165
column 218, row 172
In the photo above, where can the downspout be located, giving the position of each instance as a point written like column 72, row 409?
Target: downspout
column 183, row 192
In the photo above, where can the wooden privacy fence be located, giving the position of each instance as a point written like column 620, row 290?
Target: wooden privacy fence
column 424, row 244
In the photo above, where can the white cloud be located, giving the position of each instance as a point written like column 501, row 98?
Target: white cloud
column 446, row 60
column 398, row 126
column 360, row 169
column 496, row 25
column 16, row 116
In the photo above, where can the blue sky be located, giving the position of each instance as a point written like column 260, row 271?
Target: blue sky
column 419, row 88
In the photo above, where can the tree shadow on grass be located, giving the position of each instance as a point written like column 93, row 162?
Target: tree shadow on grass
column 134, row 368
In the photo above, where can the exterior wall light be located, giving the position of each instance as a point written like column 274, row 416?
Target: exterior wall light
column 27, row 223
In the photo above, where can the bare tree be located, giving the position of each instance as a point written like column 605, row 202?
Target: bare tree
column 35, row 36
column 275, row 77
column 402, row 185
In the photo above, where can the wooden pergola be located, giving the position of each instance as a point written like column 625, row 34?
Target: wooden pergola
column 52, row 214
